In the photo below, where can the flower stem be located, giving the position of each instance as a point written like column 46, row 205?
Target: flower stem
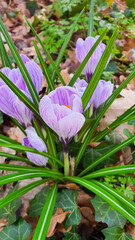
column 66, row 164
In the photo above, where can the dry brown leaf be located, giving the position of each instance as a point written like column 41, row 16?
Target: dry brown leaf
column 83, row 200
column 118, row 107
column 71, row 186
column 65, row 75
column 94, row 144
column 16, row 134
column 6, row 150
column 61, row 228
column 58, row 217
column 3, row 223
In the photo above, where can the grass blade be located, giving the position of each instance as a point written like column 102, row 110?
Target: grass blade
column 67, row 38
column 20, row 64
column 106, row 106
column 44, row 68
column 91, row 19
column 13, row 177
column 117, row 170
column 119, row 195
column 125, row 117
column 4, row 56
column 18, row 168
column 108, row 154
column 109, row 198
column 14, row 157
column 12, row 196
column 82, row 65
column 46, row 52
column 19, row 125
column 22, row 149
column 45, row 218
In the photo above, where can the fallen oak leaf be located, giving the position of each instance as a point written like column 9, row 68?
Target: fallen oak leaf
column 58, row 217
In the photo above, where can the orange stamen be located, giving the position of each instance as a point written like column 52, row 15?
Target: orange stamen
column 67, row 106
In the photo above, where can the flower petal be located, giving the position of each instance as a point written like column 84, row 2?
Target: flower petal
column 35, row 141
column 70, row 125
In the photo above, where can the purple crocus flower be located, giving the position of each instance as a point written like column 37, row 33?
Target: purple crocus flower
column 34, row 141
column 61, row 110
column 101, row 93
column 82, row 49
column 10, row 104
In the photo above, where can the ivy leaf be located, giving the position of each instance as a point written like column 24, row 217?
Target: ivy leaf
column 116, row 233
column 92, row 154
column 105, row 213
column 9, row 211
column 1, row 117
column 17, row 231
column 72, row 235
column 67, row 200
column 38, row 202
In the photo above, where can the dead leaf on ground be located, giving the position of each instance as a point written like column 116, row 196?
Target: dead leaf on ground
column 16, row 134
column 71, row 186
column 132, row 231
column 3, row 223
column 65, row 75
column 57, row 218
column 118, row 107
column 83, row 200
column 6, row 150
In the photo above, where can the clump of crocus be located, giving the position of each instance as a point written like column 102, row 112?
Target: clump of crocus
column 10, row 104
column 101, row 93
column 82, row 49
column 34, row 141
column 61, row 110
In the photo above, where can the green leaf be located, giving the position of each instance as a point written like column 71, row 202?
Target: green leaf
column 108, row 154
column 10, row 210
column 13, row 177
column 31, row 6
column 91, row 19
column 20, row 168
column 131, row 122
column 46, row 52
column 17, row 231
column 20, row 64
column 67, row 38
column 129, row 114
column 116, row 233
column 45, row 218
column 4, row 56
column 71, row 236
column 116, row 170
column 1, row 117
column 92, row 154
column 118, row 194
column 109, row 198
column 22, row 149
column 44, row 68
column 37, row 203
column 105, row 213
column 67, row 200
column 14, row 195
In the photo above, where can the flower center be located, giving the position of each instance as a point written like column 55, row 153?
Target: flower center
column 67, row 106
